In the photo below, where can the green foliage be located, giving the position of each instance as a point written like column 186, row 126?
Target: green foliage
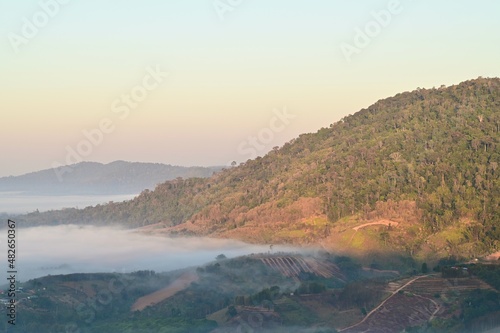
column 361, row 295
column 229, row 287
column 349, row 266
column 310, row 288
column 480, row 302
column 221, row 257
column 160, row 325
column 231, row 311
column 294, row 314
column 489, row 273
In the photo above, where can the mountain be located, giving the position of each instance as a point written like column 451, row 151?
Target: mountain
column 416, row 173
column 117, row 177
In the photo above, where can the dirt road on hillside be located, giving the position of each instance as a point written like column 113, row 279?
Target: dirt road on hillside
column 160, row 295
column 382, row 222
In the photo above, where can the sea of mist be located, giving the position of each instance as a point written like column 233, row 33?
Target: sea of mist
column 20, row 203
column 69, row 249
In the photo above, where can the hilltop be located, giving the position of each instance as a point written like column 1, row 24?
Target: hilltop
column 416, row 173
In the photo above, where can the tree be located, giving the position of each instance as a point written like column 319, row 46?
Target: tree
column 232, row 311
column 425, row 269
column 384, row 237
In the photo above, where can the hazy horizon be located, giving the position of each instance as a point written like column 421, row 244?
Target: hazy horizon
column 19, row 203
column 105, row 163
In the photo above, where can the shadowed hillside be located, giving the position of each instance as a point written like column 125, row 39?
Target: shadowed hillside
column 249, row 294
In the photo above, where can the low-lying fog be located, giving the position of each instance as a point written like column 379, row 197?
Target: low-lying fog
column 75, row 249
column 19, row 203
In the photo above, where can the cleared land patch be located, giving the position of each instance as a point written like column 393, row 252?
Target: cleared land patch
column 293, row 266
column 160, row 295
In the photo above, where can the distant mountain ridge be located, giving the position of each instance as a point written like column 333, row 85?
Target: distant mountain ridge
column 118, row 177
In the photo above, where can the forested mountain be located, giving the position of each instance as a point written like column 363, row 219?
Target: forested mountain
column 421, row 166
column 117, row 177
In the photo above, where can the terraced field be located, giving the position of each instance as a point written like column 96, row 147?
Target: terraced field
column 395, row 315
column 293, row 266
column 413, row 303
column 430, row 286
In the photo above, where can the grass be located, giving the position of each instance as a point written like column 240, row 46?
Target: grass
column 292, row 233
column 358, row 241
column 220, row 316
column 294, row 314
column 346, row 318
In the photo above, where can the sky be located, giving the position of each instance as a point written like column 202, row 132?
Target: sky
column 206, row 82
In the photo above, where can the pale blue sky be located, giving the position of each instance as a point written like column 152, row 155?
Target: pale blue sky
column 225, row 76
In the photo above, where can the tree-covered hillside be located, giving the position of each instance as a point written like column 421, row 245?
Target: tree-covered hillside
column 429, row 157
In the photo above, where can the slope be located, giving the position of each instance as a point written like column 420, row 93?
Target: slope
column 426, row 159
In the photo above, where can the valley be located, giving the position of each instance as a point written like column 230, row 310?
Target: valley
column 394, row 212
column 264, row 292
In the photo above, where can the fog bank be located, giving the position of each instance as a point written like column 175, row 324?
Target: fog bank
column 19, row 203
column 75, row 249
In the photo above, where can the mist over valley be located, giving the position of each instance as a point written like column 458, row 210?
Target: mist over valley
column 53, row 250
